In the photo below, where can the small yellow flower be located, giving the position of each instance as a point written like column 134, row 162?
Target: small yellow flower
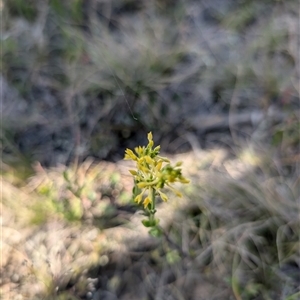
column 139, row 150
column 138, row 198
column 149, row 160
column 158, row 165
column 133, row 172
column 129, row 155
column 151, row 175
column 150, row 139
column 142, row 184
column 146, row 202
column 163, row 196
column 184, row 180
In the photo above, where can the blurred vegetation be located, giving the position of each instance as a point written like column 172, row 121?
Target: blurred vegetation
column 90, row 78
column 109, row 71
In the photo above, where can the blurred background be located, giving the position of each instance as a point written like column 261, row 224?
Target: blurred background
column 217, row 82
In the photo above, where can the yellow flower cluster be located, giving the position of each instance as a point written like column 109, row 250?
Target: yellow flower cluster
column 150, row 174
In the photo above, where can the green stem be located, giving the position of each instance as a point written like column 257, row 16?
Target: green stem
column 152, row 208
column 152, row 195
column 153, row 199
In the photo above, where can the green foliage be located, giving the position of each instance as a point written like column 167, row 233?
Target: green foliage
column 26, row 9
column 173, row 257
column 76, row 194
column 287, row 135
column 8, row 52
column 71, row 9
column 293, row 297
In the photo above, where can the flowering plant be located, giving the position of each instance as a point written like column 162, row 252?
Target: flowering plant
column 153, row 173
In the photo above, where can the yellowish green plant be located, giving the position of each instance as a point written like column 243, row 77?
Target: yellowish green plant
column 152, row 173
